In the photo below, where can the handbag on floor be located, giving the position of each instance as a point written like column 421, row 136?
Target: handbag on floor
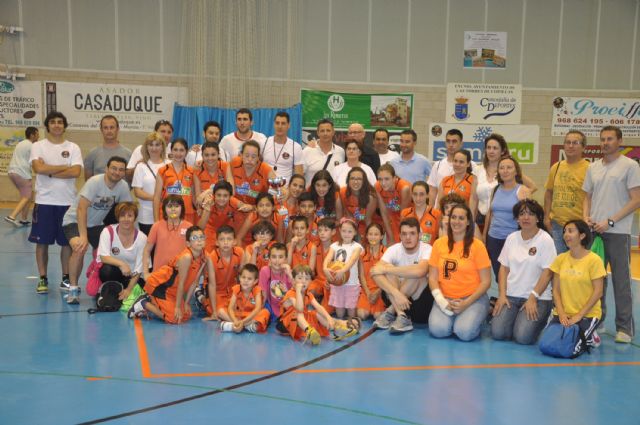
column 560, row 341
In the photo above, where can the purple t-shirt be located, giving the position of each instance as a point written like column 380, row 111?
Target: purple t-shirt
column 274, row 286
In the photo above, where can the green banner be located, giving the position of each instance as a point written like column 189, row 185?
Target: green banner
column 389, row 110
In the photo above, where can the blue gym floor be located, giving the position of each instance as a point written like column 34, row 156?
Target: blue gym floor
column 60, row 365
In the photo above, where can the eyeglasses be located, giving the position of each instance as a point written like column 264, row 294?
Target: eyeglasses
column 197, row 238
column 572, row 142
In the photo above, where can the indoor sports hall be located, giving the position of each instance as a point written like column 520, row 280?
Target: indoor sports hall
column 527, row 70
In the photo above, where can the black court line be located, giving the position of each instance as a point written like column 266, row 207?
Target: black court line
column 235, row 386
column 42, row 313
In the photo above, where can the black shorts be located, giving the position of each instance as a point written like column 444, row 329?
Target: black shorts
column 93, row 233
column 420, row 309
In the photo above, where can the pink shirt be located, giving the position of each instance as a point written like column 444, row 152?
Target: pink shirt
column 274, row 286
column 168, row 242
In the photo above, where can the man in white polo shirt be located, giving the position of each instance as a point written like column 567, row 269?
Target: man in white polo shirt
column 232, row 142
column 281, row 153
column 326, row 155
column 401, row 273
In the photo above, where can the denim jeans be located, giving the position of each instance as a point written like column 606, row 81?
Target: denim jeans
column 512, row 323
column 556, row 234
column 494, row 248
column 466, row 325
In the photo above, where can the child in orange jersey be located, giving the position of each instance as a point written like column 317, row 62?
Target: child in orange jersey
column 394, row 195
column 370, row 302
column 169, row 289
column 428, row 217
column 175, row 178
column 219, row 210
column 258, row 252
column 300, row 250
column 245, row 306
column 462, row 181
column 265, row 211
column 288, row 208
column 357, row 199
column 344, row 296
column 319, row 287
column 303, row 317
column 307, row 208
column 275, row 278
column 226, row 260
column 324, row 192
column 212, row 170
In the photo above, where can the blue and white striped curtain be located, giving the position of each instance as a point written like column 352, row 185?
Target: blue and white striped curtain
column 188, row 121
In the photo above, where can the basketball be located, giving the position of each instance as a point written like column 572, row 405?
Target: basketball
column 334, row 266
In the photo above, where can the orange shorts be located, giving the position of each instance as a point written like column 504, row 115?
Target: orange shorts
column 168, row 308
column 296, row 332
column 364, row 304
column 261, row 319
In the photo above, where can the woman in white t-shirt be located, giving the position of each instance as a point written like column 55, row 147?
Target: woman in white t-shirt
column 120, row 249
column 353, row 153
column 524, row 302
column 144, row 177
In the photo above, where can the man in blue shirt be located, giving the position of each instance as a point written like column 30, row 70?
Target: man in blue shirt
column 411, row 166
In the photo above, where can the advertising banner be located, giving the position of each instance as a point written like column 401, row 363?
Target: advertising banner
column 590, row 114
column 9, row 138
column 484, row 50
column 391, row 111
column 137, row 108
column 522, row 140
column 20, row 103
column 479, row 103
column 592, row 152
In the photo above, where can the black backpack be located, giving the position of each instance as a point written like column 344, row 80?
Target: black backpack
column 107, row 298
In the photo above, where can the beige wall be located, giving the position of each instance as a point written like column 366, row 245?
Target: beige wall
column 429, row 105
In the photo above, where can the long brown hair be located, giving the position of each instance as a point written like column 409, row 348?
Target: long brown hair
column 365, row 192
column 468, row 234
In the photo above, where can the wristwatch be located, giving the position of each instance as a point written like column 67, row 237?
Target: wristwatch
column 611, row 222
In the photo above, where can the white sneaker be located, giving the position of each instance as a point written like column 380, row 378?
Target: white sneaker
column 402, row 324
column 623, row 338
column 226, row 326
column 74, row 295
column 252, row 327
column 384, row 320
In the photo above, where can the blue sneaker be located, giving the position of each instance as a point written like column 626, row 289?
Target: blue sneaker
column 74, row 295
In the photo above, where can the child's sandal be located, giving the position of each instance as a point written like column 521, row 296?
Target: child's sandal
column 343, row 332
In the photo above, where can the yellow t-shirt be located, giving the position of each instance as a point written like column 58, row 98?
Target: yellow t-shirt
column 566, row 184
column 575, row 281
column 458, row 276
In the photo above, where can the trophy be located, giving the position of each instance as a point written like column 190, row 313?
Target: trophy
column 276, row 186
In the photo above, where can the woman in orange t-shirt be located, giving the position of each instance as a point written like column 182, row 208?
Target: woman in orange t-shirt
column 459, row 277
column 428, row 217
column 461, row 181
column 175, row 178
column 394, row 195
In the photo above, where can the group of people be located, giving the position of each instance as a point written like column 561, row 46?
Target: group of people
column 258, row 230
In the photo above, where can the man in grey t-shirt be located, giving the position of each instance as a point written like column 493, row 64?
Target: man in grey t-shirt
column 82, row 224
column 96, row 161
column 612, row 187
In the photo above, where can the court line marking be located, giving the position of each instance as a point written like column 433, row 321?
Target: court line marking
column 206, row 387
column 42, row 313
column 140, row 338
column 146, row 368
